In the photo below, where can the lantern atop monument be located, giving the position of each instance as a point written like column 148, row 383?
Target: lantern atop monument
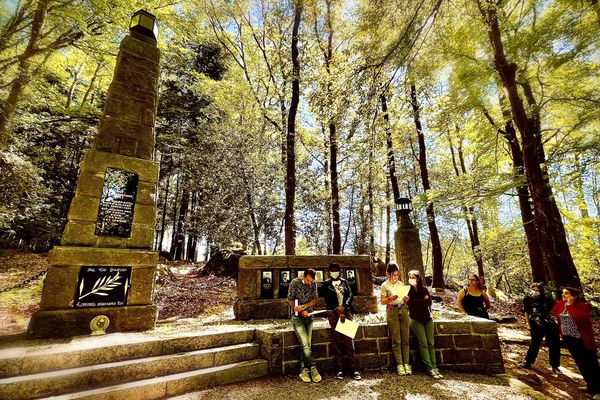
column 145, row 23
column 404, row 205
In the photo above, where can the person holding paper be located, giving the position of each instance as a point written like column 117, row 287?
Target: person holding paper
column 338, row 297
column 394, row 296
column 302, row 297
column 421, row 323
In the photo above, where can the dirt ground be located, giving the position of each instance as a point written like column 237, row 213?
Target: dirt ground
column 184, row 298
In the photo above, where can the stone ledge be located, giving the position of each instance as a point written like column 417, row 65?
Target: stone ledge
column 73, row 322
column 66, row 255
column 95, row 161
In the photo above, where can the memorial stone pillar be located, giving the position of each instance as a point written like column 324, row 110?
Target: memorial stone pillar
column 408, row 243
column 106, row 265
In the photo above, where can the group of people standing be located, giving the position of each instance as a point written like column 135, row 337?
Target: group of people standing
column 568, row 318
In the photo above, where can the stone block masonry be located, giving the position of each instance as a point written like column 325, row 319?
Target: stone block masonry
column 460, row 345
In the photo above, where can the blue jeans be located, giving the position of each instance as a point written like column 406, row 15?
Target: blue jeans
column 424, row 334
column 303, row 328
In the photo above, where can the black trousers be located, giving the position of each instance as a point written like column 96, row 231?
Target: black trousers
column 552, row 341
column 343, row 347
column 587, row 362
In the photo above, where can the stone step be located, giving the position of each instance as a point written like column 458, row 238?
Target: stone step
column 36, row 356
column 176, row 384
column 119, row 372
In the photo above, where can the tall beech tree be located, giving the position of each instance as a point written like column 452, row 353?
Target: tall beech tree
column 548, row 221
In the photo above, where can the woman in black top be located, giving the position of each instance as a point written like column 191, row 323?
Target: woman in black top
column 473, row 300
column 540, row 323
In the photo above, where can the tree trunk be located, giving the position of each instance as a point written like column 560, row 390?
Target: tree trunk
column 91, row 85
column 547, row 217
column 178, row 253
column 468, row 212
column 174, row 222
column 73, row 86
column 327, row 190
column 164, row 216
column 8, row 109
column 436, row 247
column 290, row 183
column 536, row 257
column 391, row 160
column 388, row 222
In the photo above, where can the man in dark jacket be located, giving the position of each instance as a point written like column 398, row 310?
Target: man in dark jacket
column 338, row 297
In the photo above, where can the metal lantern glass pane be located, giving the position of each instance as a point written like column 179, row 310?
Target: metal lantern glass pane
column 404, row 205
column 145, row 23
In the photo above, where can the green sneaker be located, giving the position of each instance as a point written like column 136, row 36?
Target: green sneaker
column 314, row 374
column 407, row 369
column 401, row 370
column 305, row 375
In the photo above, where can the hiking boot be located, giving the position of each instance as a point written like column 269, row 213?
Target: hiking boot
column 435, row 374
column 401, row 370
column 525, row 365
column 314, row 374
column 305, row 375
column 356, row 376
column 339, row 375
column 556, row 370
column 408, row 369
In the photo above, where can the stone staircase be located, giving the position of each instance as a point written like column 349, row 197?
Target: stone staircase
column 129, row 366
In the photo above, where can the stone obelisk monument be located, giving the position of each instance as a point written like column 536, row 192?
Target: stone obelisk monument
column 105, row 267
column 408, row 243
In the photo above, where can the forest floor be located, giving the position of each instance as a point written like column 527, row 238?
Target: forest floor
column 187, row 301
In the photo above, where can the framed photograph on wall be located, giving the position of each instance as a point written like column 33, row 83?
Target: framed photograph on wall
column 351, row 278
column 285, row 276
column 266, row 284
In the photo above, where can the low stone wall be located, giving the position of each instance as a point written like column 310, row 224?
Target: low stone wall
column 459, row 345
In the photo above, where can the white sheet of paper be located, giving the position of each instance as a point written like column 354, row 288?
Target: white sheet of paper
column 347, row 328
column 403, row 291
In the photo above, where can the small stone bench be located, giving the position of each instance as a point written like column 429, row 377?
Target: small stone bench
column 460, row 345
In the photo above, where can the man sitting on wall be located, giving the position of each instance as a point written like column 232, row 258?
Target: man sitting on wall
column 338, row 297
column 302, row 296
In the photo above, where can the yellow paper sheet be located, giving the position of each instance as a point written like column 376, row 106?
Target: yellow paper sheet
column 347, row 328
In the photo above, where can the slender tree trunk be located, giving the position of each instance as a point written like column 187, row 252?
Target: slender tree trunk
column 255, row 228
column 174, row 222
column 391, row 159
column 164, row 216
column 371, row 217
column 181, row 225
column 73, row 86
column 388, row 222
column 290, row 184
column 547, row 217
column 326, row 175
column 8, row 109
column 436, row 247
column 91, row 85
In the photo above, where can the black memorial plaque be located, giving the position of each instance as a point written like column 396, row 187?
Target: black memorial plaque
column 115, row 215
column 266, row 284
column 351, row 278
column 102, row 287
column 285, row 276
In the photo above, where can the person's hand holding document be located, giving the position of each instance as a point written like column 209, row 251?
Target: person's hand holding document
column 347, row 328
